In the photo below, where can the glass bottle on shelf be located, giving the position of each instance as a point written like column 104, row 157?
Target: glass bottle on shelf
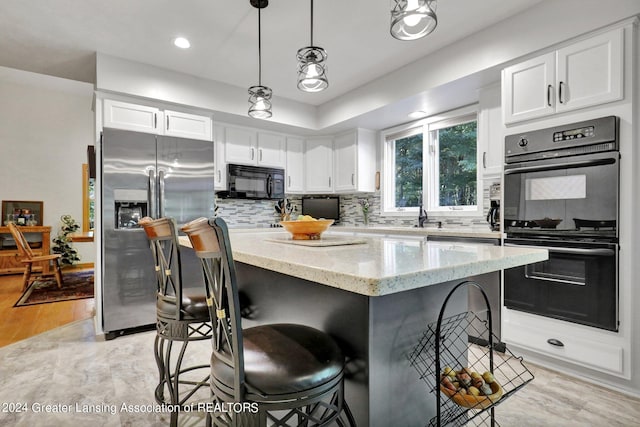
column 21, row 219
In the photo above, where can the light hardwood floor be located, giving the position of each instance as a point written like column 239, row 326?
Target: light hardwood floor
column 18, row 323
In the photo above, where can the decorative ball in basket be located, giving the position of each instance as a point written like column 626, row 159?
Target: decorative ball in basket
column 306, row 227
column 470, row 389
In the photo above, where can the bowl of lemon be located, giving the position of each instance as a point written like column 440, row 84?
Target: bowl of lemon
column 306, row 227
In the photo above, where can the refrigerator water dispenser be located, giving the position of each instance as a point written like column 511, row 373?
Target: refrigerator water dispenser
column 130, row 207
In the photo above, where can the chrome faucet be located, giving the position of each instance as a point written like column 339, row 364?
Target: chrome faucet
column 422, row 217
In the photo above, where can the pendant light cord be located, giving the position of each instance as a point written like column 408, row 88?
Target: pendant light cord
column 311, row 22
column 259, row 50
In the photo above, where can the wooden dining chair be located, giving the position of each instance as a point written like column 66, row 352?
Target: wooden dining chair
column 29, row 258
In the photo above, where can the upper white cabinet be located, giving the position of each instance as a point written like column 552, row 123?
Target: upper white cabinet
column 295, row 166
column 142, row 118
column 354, row 161
column 139, row 118
column 248, row 147
column 271, row 150
column 318, row 165
column 586, row 73
column 220, row 178
column 185, row 125
column 490, row 132
column 240, row 145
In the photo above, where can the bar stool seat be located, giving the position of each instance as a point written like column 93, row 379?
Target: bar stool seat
column 283, row 358
column 194, row 307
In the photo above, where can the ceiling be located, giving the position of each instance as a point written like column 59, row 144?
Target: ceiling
column 60, row 38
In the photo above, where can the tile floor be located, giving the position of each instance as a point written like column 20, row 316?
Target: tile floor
column 72, row 370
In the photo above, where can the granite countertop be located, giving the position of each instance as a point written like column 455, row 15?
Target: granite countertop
column 466, row 232
column 381, row 265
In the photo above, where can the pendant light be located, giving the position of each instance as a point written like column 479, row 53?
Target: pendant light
column 312, row 72
column 260, row 96
column 413, row 19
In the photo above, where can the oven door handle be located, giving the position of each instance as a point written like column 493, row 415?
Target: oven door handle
column 567, row 165
column 572, row 251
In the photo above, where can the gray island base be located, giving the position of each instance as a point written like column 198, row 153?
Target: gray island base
column 375, row 299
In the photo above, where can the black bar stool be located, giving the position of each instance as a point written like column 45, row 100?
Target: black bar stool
column 283, row 374
column 180, row 317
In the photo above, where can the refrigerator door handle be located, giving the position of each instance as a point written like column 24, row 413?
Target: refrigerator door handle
column 151, row 194
column 161, row 194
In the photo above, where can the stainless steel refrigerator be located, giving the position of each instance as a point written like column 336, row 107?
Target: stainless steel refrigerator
column 146, row 175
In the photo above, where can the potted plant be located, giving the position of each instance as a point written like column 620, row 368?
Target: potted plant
column 63, row 244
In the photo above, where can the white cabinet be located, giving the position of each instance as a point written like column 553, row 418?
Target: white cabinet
column 186, row 125
column 490, row 132
column 354, row 161
column 139, row 118
column 249, row 147
column 318, row 165
column 220, row 178
column 142, row 118
column 271, row 150
column 240, row 145
column 585, row 73
column 295, row 166
column 566, row 342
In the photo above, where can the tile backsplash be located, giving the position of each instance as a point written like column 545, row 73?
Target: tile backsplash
column 262, row 213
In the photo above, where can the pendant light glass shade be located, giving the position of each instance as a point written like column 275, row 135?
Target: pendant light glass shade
column 312, row 67
column 260, row 102
column 312, row 71
column 413, row 19
column 259, row 95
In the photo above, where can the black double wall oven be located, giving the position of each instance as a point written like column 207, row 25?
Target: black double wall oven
column 561, row 193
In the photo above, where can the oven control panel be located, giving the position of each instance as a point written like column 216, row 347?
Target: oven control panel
column 596, row 135
column 565, row 135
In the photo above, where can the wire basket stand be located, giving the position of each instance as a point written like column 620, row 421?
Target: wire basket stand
column 446, row 343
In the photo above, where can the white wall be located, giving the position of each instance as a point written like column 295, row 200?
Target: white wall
column 46, row 124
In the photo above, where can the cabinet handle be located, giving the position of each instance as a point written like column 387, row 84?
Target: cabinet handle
column 555, row 342
column 329, row 182
column 484, row 159
column 260, row 153
column 549, row 95
column 289, row 181
column 560, row 93
column 353, row 179
column 155, row 120
column 252, row 153
column 219, row 176
column 167, row 122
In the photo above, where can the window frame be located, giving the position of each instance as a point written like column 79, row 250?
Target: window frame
column 430, row 164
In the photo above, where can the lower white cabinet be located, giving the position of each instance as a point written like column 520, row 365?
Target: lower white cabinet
column 318, row 165
column 569, row 343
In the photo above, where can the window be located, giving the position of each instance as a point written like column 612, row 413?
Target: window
column 434, row 163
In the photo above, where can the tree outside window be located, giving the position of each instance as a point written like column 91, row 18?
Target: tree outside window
column 434, row 158
column 457, row 161
column 408, row 169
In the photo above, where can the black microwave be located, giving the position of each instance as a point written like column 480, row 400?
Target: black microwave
column 253, row 182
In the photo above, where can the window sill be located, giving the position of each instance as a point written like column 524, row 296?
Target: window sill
column 82, row 237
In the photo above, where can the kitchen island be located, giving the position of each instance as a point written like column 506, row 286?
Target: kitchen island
column 375, row 296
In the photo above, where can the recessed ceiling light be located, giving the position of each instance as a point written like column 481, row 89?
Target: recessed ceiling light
column 182, row 43
column 417, row 114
